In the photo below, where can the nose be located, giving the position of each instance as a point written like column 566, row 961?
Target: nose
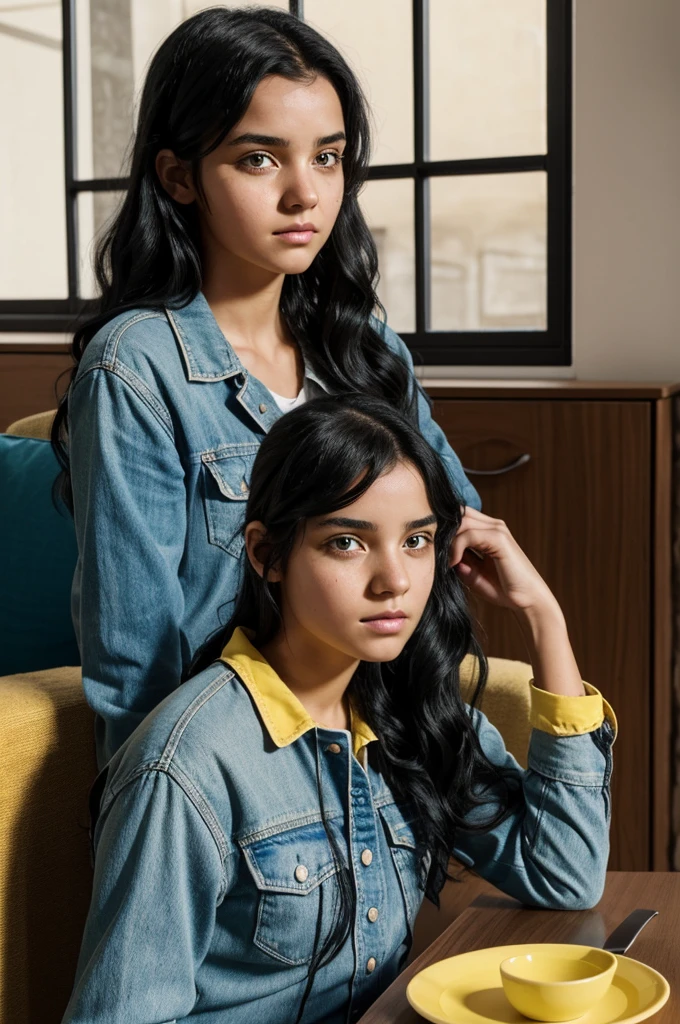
column 299, row 191
column 389, row 576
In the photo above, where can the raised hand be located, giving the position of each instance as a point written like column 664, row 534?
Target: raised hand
column 488, row 559
column 491, row 563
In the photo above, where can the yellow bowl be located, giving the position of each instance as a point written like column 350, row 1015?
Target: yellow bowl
column 546, row 987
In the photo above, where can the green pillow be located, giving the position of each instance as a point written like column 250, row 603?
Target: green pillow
column 37, row 559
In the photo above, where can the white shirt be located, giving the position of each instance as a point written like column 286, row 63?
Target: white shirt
column 286, row 404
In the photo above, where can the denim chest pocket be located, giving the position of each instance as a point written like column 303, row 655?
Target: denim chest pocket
column 294, row 874
column 226, row 488
column 407, row 860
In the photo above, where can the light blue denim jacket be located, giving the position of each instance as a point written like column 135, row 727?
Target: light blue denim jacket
column 164, row 426
column 212, row 864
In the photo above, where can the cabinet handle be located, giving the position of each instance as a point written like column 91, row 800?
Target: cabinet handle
column 521, row 460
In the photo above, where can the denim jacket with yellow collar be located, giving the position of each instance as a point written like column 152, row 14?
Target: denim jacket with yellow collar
column 164, row 426
column 212, row 865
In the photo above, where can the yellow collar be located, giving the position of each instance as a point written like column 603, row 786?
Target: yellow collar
column 284, row 716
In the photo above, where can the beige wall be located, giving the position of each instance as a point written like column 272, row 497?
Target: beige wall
column 31, row 152
column 627, row 189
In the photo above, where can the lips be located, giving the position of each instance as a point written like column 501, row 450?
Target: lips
column 386, row 623
column 398, row 614
column 297, row 234
column 297, row 229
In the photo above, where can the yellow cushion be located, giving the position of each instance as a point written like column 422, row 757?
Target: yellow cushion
column 47, row 765
column 33, row 426
column 506, row 701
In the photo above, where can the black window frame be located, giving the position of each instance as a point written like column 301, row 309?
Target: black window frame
column 526, row 347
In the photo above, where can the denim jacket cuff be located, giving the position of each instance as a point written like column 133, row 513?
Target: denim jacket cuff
column 581, row 760
column 561, row 715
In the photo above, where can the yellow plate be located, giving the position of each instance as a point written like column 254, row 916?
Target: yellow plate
column 467, row 989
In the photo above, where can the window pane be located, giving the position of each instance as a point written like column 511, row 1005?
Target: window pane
column 105, row 85
column 116, row 40
column 388, row 208
column 489, row 252
column 487, row 78
column 376, row 39
column 95, row 212
column 32, row 197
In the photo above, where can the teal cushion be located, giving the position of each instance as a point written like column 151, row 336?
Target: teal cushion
column 37, row 559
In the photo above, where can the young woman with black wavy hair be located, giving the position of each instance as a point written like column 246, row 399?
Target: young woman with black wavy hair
column 237, row 280
column 265, row 836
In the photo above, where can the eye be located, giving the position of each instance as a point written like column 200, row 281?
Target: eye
column 257, row 161
column 418, row 541
column 329, row 159
column 344, row 544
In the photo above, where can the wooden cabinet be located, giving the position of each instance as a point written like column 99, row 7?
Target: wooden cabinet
column 591, row 506
column 32, row 375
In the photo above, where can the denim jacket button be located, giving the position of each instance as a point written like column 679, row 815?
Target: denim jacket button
column 301, row 873
column 366, row 857
column 263, row 407
column 371, row 964
column 333, row 748
column 372, row 914
column 244, row 486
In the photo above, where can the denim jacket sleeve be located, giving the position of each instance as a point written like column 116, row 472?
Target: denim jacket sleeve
column 159, row 875
column 431, row 430
column 130, row 520
column 552, row 849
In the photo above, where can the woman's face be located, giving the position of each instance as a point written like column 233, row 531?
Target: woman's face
column 358, row 580
column 274, row 186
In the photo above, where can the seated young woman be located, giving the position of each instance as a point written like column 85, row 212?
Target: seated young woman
column 265, row 837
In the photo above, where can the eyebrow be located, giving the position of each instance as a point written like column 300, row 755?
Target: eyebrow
column 364, row 524
column 417, row 524
column 275, row 140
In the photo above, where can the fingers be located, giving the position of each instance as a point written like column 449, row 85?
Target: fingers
column 472, row 515
column 469, row 566
column 481, row 541
column 487, row 538
column 474, row 574
column 474, row 521
column 468, row 510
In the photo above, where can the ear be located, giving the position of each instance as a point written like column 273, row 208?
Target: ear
column 257, row 549
column 175, row 177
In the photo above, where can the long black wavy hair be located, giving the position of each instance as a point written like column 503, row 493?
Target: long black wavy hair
column 199, row 85
column 315, row 460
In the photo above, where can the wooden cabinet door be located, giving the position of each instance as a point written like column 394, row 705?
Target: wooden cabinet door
column 581, row 509
column 29, row 383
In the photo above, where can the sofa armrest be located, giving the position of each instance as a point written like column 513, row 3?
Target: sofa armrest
column 47, row 765
column 38, row 425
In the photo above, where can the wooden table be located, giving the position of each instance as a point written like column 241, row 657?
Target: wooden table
column 496, row 920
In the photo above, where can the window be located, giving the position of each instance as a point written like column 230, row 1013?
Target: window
column 468, row 194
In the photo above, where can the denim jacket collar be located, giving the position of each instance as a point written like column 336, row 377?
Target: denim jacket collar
column 207, row 354
column 284, row 716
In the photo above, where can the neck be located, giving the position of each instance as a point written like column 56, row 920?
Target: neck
column 318, row 676
column 245, row 300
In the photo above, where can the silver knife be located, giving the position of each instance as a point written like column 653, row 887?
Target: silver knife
column 623, row 937
column 591, row 931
